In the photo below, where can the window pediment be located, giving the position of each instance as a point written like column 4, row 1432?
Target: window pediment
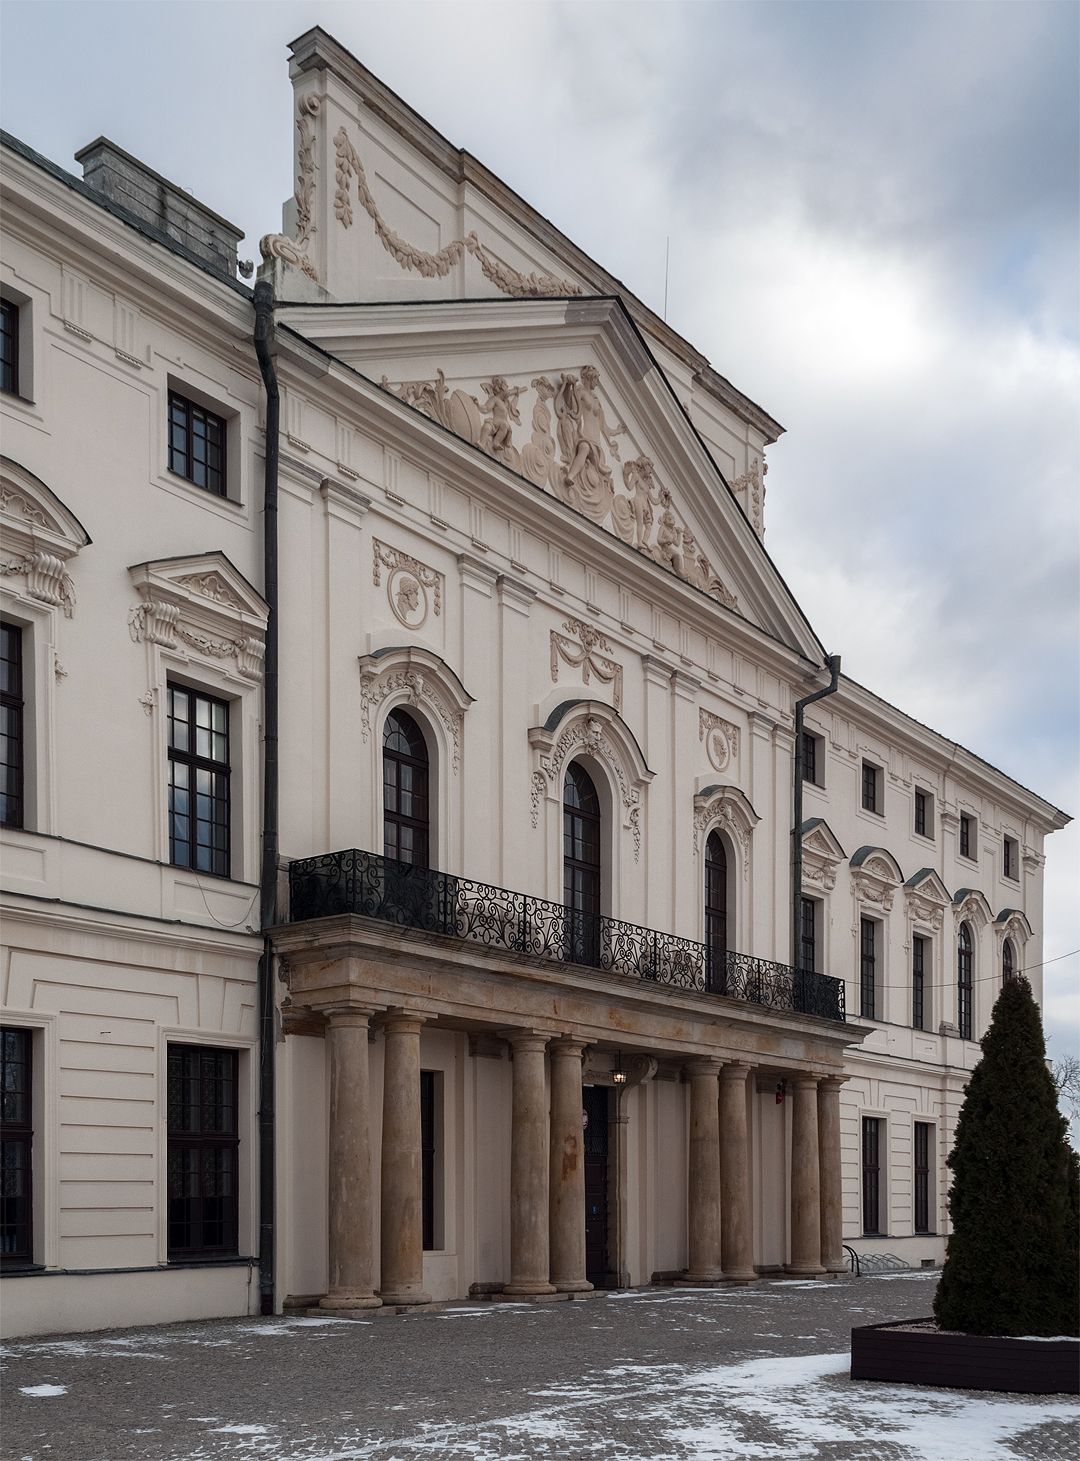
column 970, row 906
column 40, row 537
column 201, row 604
column 419, row 677
column 876, row 876
column 822, row 853
column 1013, row 923
column 927, row 898
column 729, row 808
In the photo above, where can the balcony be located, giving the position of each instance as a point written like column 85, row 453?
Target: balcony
column 440, row 903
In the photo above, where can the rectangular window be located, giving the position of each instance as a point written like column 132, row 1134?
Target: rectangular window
column 924, row 813
column 16, row 1147
column 198, row 781
column 918, row 983
column 204, row 1142
column 868, row 968
column 196, row 444
column 871, row 1174
column 967, row 836
column 12, row 742
column 808, row 935
column 9, row 347
column 924, row 1146
column 1011, row 857
column 427, row 1156
column 871, row 790
column 810, row 758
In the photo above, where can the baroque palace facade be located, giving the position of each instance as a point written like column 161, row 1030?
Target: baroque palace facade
column 401, row 713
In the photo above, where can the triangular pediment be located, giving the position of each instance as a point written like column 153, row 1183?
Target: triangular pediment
column 205, row 581
column 567, row 395
column 820, row 841
column 927, row 884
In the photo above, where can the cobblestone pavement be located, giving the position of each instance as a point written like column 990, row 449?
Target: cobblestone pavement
column 672, row 1373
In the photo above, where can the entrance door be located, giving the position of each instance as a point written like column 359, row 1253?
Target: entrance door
column 595, row 1103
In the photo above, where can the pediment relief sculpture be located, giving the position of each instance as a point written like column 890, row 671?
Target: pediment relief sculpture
column 40, row 537
column 570, row 453
column 752, row 483
column 350, row 169
column 202, row 605
column 821, row 854
column 412, row 588
column 969, row 906
column 875, row 877
column 585, row 652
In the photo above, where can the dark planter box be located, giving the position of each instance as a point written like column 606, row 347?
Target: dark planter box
column 964, row 1361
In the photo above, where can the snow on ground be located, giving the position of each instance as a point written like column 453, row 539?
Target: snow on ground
column 43, row 1389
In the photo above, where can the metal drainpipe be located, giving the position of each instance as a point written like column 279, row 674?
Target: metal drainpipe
column 796, row 839
column 264, row 336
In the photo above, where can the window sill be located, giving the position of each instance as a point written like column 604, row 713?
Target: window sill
column 927, row 837
column 20, row 1270
column 172, row 482
column 217, row 1260
column 967, row 858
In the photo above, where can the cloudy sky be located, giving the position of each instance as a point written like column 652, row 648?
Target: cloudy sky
column 873, row 212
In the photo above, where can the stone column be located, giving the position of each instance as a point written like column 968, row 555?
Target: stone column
column 829, row 1176
column 349, row 1183
column 703, row 1177
column 805, row 1195
column 567, row 1176
column 737, row 1244
column 529, row 1169
column 402, row 1224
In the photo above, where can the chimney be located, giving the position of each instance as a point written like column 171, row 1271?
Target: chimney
column 125, row 180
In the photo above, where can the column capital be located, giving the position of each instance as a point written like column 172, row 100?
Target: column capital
column 526, row 1041
column 403, row 1022
column 702, row 1067
column 339, row 1015
column 567, row 1046
column 736, row 1070
column 832, row 1082
column 804, row 1080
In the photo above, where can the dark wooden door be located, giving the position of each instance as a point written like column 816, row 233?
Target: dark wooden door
column 595, row 1102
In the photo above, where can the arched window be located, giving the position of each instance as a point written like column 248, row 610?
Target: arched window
column 581, row 865
column 716, row 927
column 406, row 819
column 1008, row 961
column 963, row 981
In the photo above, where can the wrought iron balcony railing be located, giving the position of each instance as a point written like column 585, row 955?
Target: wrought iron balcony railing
column 440, row 903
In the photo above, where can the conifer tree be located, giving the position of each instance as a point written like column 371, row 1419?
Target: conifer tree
column 1011, row 1263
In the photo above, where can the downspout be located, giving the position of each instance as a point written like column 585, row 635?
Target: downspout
column 264, row 336
column 796, row 835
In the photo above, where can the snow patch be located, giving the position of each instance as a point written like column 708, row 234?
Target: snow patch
column 43, row 1390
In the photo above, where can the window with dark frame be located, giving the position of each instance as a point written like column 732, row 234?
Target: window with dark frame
column 198, row 781
column 427, row 1157
column 581, row 865
column 808, row 935
column 922, row 814
column 1010, row 857
column 870, row 788
column 924, row 1146
column 16, row 1147
column 204, row 1152
column 871, row 1174
column 716, row 929
column 1008, row 962
column 964, row 956
column 967, row 836
column 918, row 985
column 810, row 758
column 197, row 444
column 12, row 723
column 9, row 347
column 868, row 968
column 406, row 805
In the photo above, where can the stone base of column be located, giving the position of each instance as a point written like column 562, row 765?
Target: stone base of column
column 526, row 1289
column 811, row 1270
column 573, row 1286
column 404, row 1297
column 740, row 1275
column 346, row 1299
column 713, row 1279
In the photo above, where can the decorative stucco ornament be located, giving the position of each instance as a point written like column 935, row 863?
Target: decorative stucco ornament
column 721, row 739
column 419, row 691
column 584, row 652
column 419, row 261
column 294, row 251
column 410, row 584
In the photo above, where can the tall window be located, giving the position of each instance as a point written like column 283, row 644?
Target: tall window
column 427, row 1157
column 581, row 865
column 924, row 1146
column 967, row 836
column 9, row 347
column 918, row 982
column 203, row 1161
column 198, row 781
column 1011, row 858
column 871, row 1173
column 810, row 757
column 406, row 814
column 12, row 747
column 716, row 932
column 868, row 968
column 923, row 813
column 808, row 935
column 963, row 981
column 871, row 788
column 16, row 1148
column 1008, row 961
column 196, row 444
